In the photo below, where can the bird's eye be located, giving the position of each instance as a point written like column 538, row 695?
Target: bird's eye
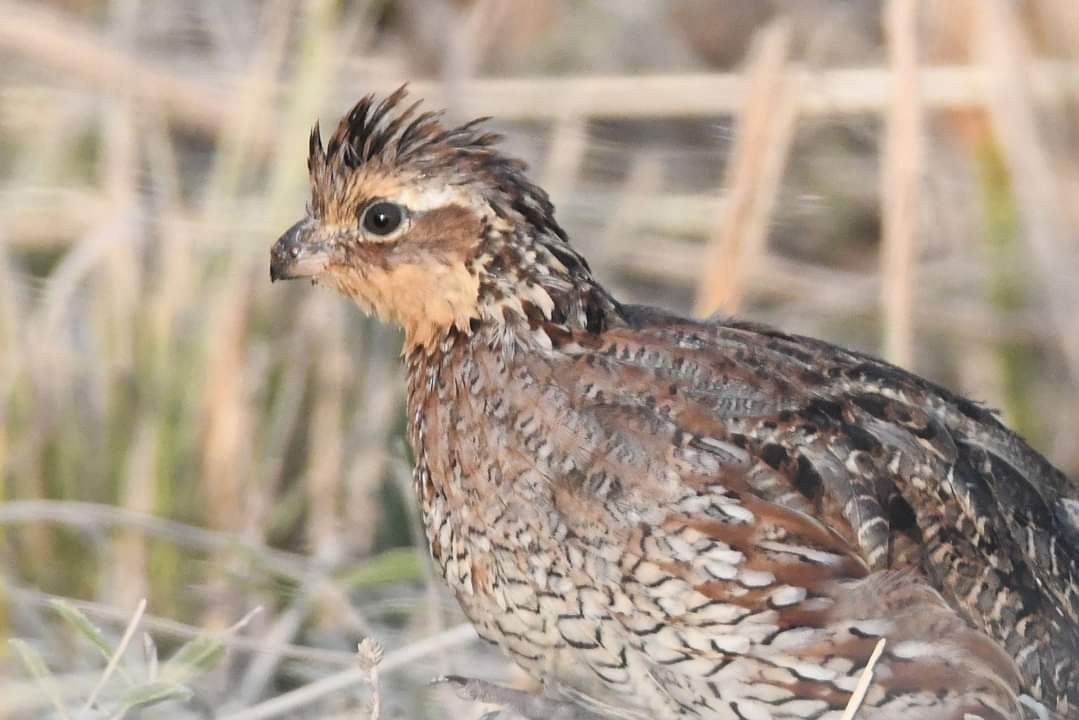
column 382, row 218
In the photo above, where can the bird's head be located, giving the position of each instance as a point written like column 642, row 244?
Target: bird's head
column 426, row 225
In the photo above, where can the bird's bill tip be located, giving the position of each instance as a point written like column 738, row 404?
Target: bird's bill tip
column 308, row 267
column 298, row 254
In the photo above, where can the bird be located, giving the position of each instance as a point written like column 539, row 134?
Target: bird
column 657, row 516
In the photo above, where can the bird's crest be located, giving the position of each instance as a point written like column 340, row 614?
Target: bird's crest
column 389, row 133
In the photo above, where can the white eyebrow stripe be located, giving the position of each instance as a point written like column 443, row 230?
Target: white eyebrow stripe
column 432, row 197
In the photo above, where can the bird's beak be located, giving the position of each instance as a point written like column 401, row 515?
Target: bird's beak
column 299, row 253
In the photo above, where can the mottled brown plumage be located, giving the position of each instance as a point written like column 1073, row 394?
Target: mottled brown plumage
column 663, row 517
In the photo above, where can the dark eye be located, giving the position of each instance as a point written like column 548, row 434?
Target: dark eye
column 382, row 218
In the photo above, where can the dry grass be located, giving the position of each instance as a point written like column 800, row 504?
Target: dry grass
column 901, row 183
column 765, row 129
column 864, row 681
column 173, row 428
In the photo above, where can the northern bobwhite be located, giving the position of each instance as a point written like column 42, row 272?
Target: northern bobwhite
column 660, row 517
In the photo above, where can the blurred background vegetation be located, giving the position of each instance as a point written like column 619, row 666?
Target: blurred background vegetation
column 898, row 176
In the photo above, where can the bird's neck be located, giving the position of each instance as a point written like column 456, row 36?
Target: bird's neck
column 457, row 391
column 469, row 388
column 534, row 294
column 519, row 325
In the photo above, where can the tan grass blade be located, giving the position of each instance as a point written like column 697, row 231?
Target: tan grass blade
column 765, row 129
column 900, row 183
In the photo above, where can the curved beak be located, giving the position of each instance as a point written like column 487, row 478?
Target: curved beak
column 299, row 253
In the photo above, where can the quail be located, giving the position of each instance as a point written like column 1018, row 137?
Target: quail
column 663, row 517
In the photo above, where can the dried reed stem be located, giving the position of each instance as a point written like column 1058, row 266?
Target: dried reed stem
column 901, row 169
column 569, row 143
column 644, row 180
column 1038, row 191
column 261, row 669
column 367, row 465
column 51, row 40
column 830, row 92
column 95, row 515
column 330, row 371
column 183, row 631
column 227, row 422
column 369, row 655
column 45, row 36
column 766, row 126
column 835, row 293
column 114, row 661
column 315, row 691
column 1061, row 23
column 126, row 575
column 864, row 680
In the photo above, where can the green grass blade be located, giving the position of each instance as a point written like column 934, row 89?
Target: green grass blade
column 151, row 693
column 35, row 665
column 82, row 624
column 196, row 657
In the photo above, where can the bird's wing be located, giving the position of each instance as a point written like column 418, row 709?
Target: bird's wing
column 759, row 468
